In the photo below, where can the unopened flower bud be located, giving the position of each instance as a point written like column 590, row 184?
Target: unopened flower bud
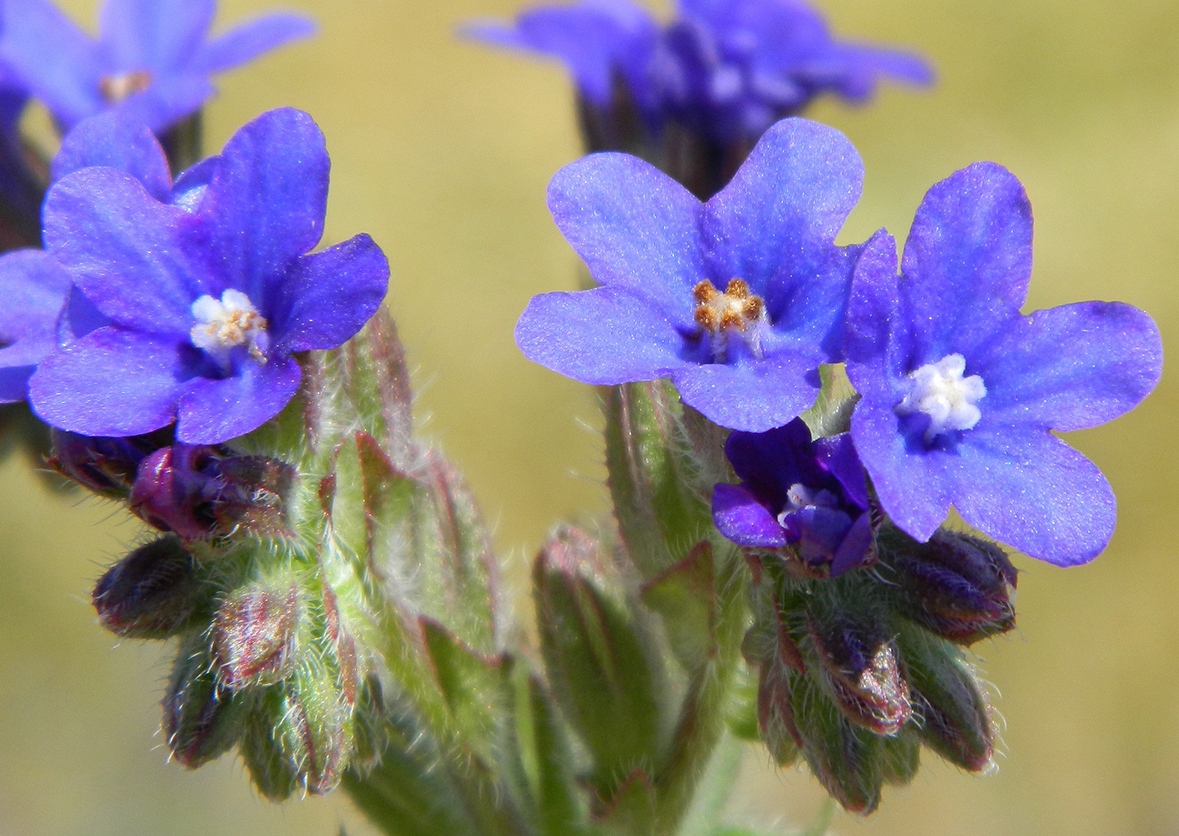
column 104, row 465
column 846, row 758
column 256, row 635
column 775, row 715
column 202, row 718
column 950, row 706
column 316, row 728
column 200, row 492
column 152, row 593
column 859, row 668
column 957, row 586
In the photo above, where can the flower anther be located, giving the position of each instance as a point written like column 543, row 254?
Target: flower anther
column 227, row 324
column 119, row 87
column 734, row 310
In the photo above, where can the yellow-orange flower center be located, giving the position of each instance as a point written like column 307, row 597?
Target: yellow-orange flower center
column 120, row 86
column 736, row 310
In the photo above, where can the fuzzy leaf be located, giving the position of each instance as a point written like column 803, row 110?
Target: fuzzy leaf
column 685, row 596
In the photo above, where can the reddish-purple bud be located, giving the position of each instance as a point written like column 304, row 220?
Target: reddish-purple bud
column 859, row 668
column 956, row 586
column 152, row 593
column 256, row 635
column 104, row 465
column 200, row 492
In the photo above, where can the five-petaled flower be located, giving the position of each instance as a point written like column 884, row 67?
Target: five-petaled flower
column 207, row 296
column 961, row 392
column 737, row 300
column 151, row 61
column 808, row 496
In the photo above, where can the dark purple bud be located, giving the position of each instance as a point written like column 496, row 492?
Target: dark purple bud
column 202, row 718
column 950, row 707
column 958, row 586
column 104, row 465
column 859, row 668
column 152, row 593
column 256, row 635
column 200, row 492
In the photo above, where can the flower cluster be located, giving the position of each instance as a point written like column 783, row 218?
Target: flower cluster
column 158, row 302
column 726, row 70
column 739, row 301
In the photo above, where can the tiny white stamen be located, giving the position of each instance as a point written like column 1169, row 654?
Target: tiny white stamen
column 941, row 392
column 221, row 326
column 799, row 496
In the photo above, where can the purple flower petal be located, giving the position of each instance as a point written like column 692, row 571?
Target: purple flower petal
column 247, row 41
column 33, row 287
column 911, row 482
column 600, row 336
column 634, row 226
column 267, row 199
column 752, row 396
column 741, row 518
column 328, row 296
column 110, row 383
column 169, row 99
column 54, row 59
column 1072, row 367
column 771, row 460
column 1034, row 492
column 111, row 139
column 838, row 456
column 874, row 336
column 213, row 410
column 130, row 254
column 967, row 262
column 154, row 34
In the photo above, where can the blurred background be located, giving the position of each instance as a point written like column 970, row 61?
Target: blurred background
column 442, row 150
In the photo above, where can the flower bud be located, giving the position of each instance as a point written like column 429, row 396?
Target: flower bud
column 315, row 728
column 957, row 586
column 104, row 465
column 200, row 492
column 775, row 715
column 847, row 759
column 950, row 706
column 256, row 635
column 152, row 593
column 858, row 667
column 202, row 719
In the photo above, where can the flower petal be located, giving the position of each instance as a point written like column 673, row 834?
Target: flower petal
column 130, row 254
column 249, row 40
column 967, row 262
column 154, row 34
column 110, row 383
column 910, row 480
column 1072, row 367
column 775, row 224
column 55, row 60
column 770, row 462
column 600, row 336
column 1034, row 492
column 838, row 455
column 634, row 226
column 876, row 335
column 741, row 518
column 33, row 287
column 267, row 199
column 329, row 296
column 168, row 100
column 212, row 411
column 753, row 396
column 112, row 140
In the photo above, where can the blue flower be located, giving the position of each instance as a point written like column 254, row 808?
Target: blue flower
column 36, row 288
column 730, row 68
column 152, row 60
column 726, row 69
column 808, row 496
column 601, row 42
column 737, row 300
column 961, row 392
column 209, row 296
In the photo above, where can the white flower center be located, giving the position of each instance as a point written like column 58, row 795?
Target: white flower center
column 222, row 326
column 941, row 392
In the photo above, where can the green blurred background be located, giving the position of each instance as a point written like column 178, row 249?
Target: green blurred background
column 441, row 151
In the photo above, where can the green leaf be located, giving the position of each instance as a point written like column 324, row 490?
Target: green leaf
column 631, row 810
